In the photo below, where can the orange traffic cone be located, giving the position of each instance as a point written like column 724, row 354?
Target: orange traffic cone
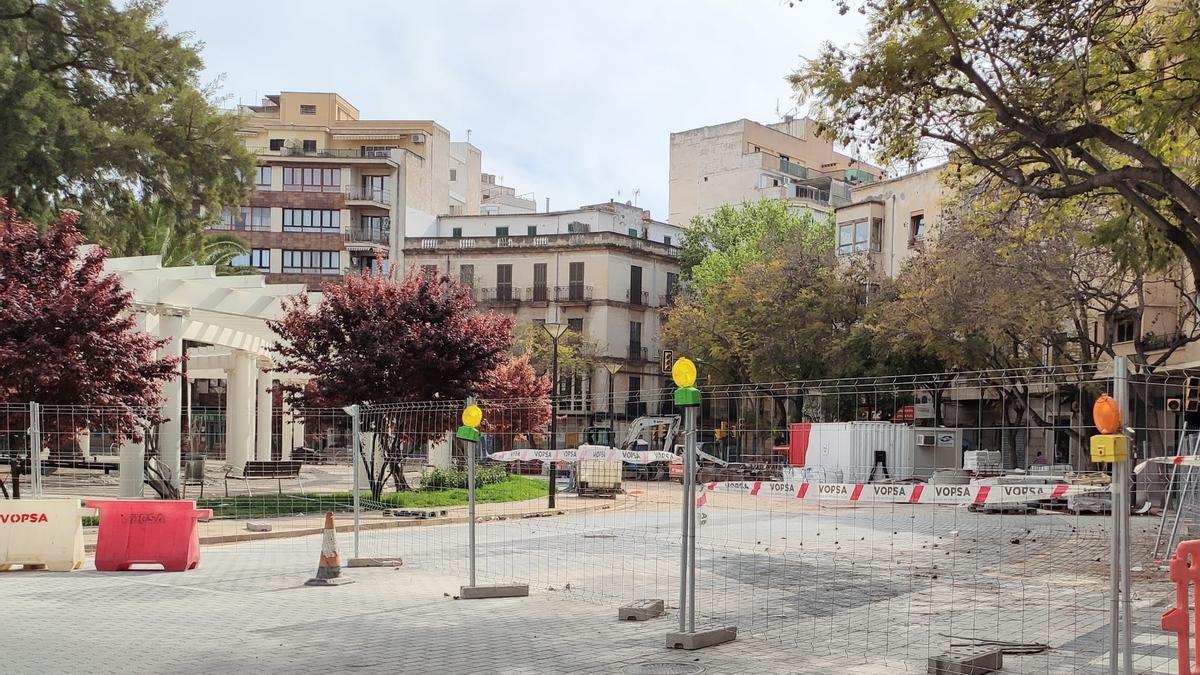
column 329, row 570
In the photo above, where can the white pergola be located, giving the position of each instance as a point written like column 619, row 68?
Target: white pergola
column 228, row 315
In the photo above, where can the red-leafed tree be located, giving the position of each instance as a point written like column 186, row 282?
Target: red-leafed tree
column 516, row 402
column 388, row 342
column 67, row 336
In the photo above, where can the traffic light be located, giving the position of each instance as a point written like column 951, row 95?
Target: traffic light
column 1191, row 394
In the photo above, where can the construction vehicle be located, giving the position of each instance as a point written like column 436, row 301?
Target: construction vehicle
column 711, row 467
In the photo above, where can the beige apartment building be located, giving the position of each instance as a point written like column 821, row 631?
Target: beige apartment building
column 745, row 161
column 605, row 270
column 334, row 192
column 888, row 222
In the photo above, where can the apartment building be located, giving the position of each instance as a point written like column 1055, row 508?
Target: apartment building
column 499, row 199
column 334, row 192
column 745, row 161
column 605, row 270
column 887, row 222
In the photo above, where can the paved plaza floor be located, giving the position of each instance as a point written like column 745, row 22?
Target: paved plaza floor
column 817, row 591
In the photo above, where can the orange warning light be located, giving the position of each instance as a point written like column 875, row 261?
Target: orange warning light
column 1107, row 415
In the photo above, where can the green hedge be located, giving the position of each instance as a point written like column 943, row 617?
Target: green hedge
column 457, row 478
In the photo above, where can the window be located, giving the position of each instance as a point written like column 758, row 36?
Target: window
column 312, row 220
column 466, row 275
column 531, row 230
column 632, row 232
column 255, row 218
column 672, row 287
column 262, row 178
column 504, row 282
column 856, row 237
column 916, row 228
column 276, row 143
column 755, row 148
column 635, row 285
column 539, row 283
column 428, row 270
column 501, row 231
column 456, row 232
column 667, row 240
column 634, row 406
column 1125, row 327
column 312, row 262
column 575, row 325
column 302, row 179
column 310, row 146
column 306, row 109
column 453, row 175
column 257, row 257
column 575, row 276
column 635, row 340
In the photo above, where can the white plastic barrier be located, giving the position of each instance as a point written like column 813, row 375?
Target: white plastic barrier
column 903, row 493
column 42, row 533
column 584, row 452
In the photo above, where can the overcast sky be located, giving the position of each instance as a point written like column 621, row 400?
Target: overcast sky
column 567, row 100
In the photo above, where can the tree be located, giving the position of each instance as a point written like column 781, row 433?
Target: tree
column 1058, row 99
column 577, row 353
column 718, row 246
column 375, row 339
column 150, row 228
column 68, row 336
column 99, row 103
column 516, row 402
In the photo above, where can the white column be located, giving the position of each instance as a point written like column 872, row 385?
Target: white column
column 239, row 410
column 170, row 327
column 262, row 437
column 132, row 462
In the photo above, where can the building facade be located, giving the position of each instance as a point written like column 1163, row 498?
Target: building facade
column 335, row 193
column 888, row 222
column 605, row 270
column 745, row 161
column 498, row 199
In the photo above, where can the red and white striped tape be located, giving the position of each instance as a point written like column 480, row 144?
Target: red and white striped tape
column 594, row 452
column 1177, row 460
column 902, row 493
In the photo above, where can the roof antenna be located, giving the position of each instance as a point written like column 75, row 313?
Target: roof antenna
column 468, row 135
column 636, row 193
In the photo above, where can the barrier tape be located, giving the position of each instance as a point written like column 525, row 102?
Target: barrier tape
column 902, row 493
column 584, row 453
column 1177, row 460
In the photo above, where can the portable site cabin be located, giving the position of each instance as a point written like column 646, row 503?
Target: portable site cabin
column 859, row 452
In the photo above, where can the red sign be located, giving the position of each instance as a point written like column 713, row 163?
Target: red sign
column 906, row 413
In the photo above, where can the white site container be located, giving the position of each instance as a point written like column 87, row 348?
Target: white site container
column 849, row 448
column 42, row 532
column 598, row 475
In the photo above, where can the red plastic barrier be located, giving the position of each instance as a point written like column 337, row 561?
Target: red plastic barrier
column 1185, row 571
column 798, row 433
column 148, row 532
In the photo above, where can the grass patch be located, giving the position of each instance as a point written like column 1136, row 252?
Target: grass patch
column 512, row 489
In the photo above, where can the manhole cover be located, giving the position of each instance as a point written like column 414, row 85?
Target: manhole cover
column 663, row 668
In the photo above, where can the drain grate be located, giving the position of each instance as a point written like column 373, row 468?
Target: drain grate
column 663, row 668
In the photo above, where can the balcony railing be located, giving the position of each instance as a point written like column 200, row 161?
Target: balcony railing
column 634, row 297
column 573, row 293
column 369, row 235
column 340, row 153
column 577, row 239
column 368, row 194
column 793, row 169
column 537, row 293
column 500, row 294
column 668, row 299
column 241, row 225
column 637, row 353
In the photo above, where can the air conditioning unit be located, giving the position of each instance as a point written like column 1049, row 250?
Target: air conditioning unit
column 418, row 138
column 928, row 440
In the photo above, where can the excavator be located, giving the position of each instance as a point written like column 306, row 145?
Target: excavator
column 711, row 467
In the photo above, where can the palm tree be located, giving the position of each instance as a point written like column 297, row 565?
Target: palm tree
column 149, row 228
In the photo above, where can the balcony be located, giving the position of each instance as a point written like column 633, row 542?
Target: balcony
column 357, row 196
column 326, row 153
column 637, row 353
column 793, row 169
column 499, row 295
column 368, row 235
column 538, row 293
column 573, row 294
column 605, row 239
column 636, row 297
column 668, row 299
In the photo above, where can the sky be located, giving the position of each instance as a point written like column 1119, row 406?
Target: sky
column 569, row 101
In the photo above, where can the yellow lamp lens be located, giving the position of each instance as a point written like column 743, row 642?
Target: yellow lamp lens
column 472, row 415
column 684, row 372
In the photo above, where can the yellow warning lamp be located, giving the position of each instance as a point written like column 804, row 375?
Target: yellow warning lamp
column 1110, row 445
column 472, row 416
column 684, row 374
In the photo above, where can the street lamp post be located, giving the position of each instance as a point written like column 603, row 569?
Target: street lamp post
column 612, row 368
column 555, row 331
